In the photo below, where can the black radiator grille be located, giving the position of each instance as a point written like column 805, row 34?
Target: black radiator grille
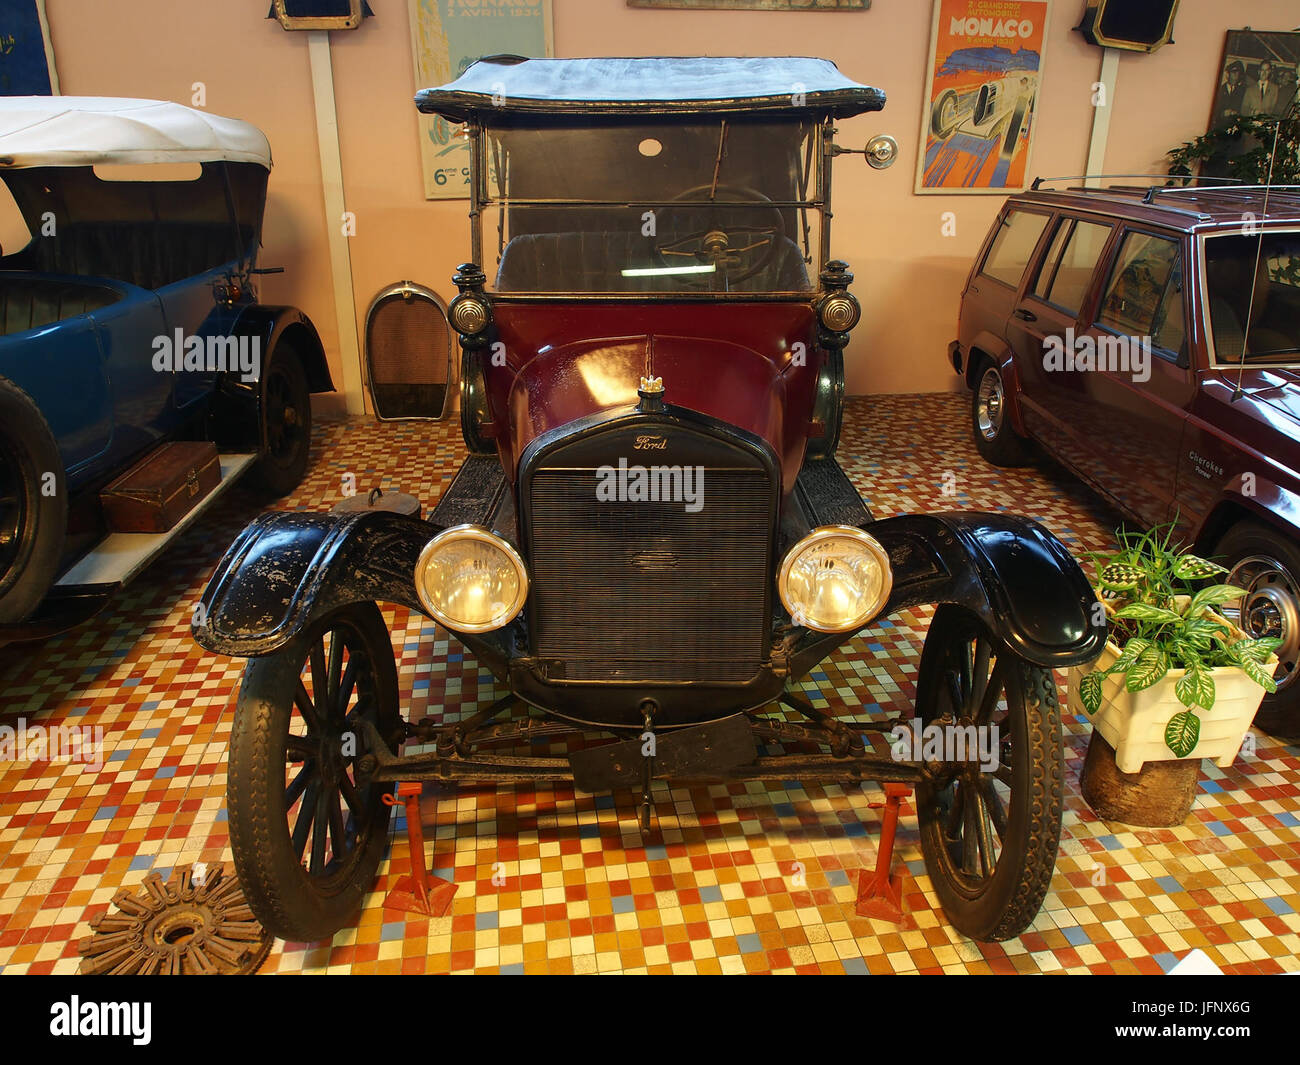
column 646, row 590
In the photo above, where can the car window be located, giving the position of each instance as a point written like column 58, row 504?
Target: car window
column 1169, row 331
column 1010, row 252
column 1143, row 296
column 1252, row 283
column 1072, row 273
column 1048, row 270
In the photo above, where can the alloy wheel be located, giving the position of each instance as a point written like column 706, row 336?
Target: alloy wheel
column 989, row 406
column 1270, row 608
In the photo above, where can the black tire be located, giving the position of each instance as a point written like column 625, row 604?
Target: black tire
column 943, row 115
column 301, row 893
column 992, row 870
column 33, row 507
column 286, row 423
column 995, row 438
column 1267, row 564
column 1013, row 130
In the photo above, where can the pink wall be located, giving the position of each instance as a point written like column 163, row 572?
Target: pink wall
column 909, row 274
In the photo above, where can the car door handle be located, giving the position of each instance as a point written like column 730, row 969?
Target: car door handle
column 1024, row 315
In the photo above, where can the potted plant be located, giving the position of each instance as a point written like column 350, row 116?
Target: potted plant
column 1177, row 679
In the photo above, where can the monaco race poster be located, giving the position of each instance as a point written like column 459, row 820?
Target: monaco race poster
column 986, row 63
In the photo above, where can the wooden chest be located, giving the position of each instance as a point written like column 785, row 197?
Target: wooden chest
column 162, row 487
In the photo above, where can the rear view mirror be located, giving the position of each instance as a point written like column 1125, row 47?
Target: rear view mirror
column 881, row 152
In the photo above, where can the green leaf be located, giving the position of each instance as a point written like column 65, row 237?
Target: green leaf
column 1150, row 667
column 1145, row 612
column 1203, row 633
column 1258, row 673
column 1192, row 568
column 1120, row 576
column 1090, row 691
column 1256, row 650
column 1182, row 732
column 1212, row 596
column 1128, row 655
column 1195, row 687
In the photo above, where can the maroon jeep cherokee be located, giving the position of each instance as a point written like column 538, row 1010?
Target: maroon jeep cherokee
column 1149, row 338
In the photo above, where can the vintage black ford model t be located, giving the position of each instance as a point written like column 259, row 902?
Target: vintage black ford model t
column 651, row 538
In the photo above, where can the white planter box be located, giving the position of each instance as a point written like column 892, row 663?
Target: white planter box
column 1133, row 723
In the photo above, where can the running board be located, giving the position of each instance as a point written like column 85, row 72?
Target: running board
column 118, row 557
column 828, row 496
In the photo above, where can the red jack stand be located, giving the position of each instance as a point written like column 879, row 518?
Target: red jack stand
column 413, row 893
column 880, row 895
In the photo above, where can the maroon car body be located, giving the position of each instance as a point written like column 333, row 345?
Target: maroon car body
column 588, row 359
column 1186, row 279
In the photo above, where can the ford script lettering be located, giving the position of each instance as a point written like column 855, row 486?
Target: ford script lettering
column 650, row 443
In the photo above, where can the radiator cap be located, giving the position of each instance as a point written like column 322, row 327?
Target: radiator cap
column 651, row 391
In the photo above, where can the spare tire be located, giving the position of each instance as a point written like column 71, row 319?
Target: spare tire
column 33, row 505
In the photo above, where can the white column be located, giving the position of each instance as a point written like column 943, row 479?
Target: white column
column 1101, row 117
column 331, row 168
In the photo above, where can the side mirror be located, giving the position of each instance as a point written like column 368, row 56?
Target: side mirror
column 881, row 152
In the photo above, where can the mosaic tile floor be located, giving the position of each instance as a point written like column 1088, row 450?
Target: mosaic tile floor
column 748, row 878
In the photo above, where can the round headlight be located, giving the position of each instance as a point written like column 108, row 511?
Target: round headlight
column 469, row 315
column 471, row 580
column 839, row 312
column 836, row 579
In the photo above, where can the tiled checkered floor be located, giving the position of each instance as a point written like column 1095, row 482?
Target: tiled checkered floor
column 748, row 878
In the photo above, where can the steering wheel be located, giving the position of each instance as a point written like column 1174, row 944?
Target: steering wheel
column 737, row 252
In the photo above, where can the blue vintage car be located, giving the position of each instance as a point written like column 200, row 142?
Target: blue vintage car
column 129, row 232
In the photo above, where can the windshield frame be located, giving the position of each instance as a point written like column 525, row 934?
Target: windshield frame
column 1260, row 229
column 818, row 179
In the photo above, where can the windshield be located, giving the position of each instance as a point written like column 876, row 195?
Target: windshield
column 715, row 205
column 1255, row 311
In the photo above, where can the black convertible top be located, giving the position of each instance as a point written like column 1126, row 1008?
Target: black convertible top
column 506, row 85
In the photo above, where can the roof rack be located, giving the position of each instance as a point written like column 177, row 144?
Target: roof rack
column 1131, row 192
column 1195, row 201
column 1240, row 187
column 1038, row 181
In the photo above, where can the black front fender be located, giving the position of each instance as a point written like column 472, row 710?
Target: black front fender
column 1010, row 571
column 287, row 568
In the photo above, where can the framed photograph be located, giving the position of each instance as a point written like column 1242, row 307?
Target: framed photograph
column 446, row 37
column 26, row 55
column 981, row 100
column 1258, row 75
column 1256, row 80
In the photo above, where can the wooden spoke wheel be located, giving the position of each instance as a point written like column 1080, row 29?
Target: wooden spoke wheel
column 307, row 837
column 991, row 816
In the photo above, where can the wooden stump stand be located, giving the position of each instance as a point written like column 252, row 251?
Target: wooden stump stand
column 1160, row 795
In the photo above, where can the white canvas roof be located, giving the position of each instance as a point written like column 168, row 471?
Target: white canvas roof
column 89, row 130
